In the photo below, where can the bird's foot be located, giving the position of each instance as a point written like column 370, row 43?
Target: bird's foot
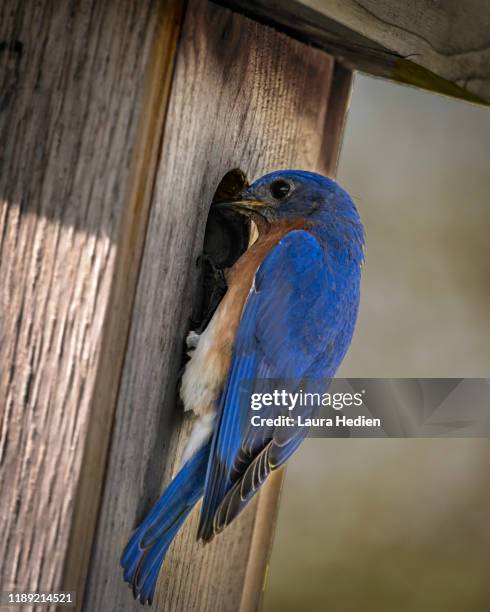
column 192, row 341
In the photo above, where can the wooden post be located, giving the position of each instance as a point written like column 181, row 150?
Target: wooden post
column 83, row 93
column 242, row 96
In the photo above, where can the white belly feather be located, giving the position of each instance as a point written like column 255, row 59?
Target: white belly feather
column 203, row 379
column 205, row 374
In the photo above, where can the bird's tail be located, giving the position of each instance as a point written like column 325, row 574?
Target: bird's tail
column 145, row 551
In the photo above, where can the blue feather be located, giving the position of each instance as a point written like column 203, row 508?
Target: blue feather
column 145, row 551
column 296, row 325
column 296, row 309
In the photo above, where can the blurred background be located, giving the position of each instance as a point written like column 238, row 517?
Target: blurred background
column 402, row 525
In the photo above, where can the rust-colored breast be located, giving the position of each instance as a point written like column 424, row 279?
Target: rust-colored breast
column 240, row 280
column 206, row 373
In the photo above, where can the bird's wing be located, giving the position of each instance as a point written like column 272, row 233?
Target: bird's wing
column 288, row 320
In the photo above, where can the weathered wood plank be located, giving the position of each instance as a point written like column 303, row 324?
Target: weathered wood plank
column 83, row 90
column 440, row 46
column 242, row 96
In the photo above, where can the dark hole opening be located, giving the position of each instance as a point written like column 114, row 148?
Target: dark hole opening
column 226, row 238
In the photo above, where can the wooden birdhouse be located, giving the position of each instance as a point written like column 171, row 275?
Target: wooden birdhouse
column 121, row 121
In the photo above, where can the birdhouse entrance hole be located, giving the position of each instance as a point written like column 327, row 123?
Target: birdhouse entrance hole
column 226, row 237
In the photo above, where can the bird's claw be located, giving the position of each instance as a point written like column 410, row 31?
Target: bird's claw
column 192, row 341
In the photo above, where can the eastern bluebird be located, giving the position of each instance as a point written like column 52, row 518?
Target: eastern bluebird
column 289, row 313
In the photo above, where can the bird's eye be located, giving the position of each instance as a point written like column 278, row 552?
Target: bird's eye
column 280, row 189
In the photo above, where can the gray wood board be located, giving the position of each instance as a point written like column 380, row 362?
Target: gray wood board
column 440, row 46
column 242, row 96
column 75, row 84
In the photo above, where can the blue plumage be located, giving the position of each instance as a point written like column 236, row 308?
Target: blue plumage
column 145, row 551
column 296, row 324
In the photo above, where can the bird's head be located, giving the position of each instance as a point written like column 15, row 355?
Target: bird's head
column 287, row 195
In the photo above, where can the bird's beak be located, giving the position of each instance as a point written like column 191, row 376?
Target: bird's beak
column 244, row 203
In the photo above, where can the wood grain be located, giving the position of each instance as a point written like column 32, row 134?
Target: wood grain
column 81, row 111
column 440, row 46
column 338, row 108
column 242, row 96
